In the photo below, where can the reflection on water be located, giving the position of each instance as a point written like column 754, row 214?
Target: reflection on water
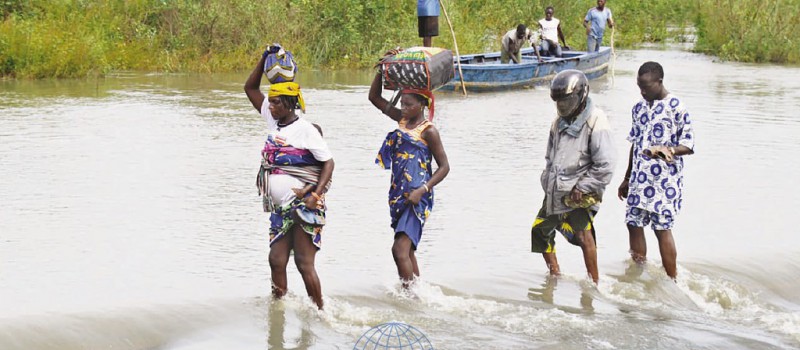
column 280, row 336
column 547, row 291
column 127, row 198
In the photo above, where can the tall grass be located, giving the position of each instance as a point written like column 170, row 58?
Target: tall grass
column 78, row 38
column 751, row 31
column 480, row 24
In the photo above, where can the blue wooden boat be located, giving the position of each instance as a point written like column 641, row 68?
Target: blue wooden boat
column 484, row 72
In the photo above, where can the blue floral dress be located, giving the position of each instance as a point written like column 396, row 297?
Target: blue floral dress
column 408, row 156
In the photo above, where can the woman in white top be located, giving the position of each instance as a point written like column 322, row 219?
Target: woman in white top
column 551, row 33
column 296, row 170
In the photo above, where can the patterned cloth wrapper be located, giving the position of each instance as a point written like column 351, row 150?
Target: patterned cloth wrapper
column 276, row 154
column 279, row 65
column 543, row 232
column 587, row 200
column 282, row 220
column 277, row 159
column 408, row 156
column 300, row 163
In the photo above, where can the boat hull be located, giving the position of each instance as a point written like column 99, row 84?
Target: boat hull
column 484, row 72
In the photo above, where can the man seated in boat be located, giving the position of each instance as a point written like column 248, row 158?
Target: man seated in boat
column 513, row 41
column 550, row 27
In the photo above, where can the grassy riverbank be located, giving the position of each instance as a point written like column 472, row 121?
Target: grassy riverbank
column 80, row 38
column 750, row 30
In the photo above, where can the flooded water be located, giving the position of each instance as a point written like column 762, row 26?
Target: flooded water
column 130, row 220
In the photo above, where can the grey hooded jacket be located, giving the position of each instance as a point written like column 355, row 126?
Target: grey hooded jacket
column 579, row 154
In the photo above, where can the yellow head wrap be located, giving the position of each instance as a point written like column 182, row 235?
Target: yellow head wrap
column 287, row 89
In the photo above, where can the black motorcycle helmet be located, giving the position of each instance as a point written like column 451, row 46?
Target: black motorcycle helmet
column 569, row 89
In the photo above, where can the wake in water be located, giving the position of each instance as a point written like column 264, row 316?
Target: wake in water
column 437, row 311
column 569, row 312
column 721, row 314
column 645, row 288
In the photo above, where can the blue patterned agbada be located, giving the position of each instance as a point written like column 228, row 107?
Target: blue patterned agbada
column 408, row 156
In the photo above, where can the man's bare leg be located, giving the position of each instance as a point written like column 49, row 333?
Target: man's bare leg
column 638, row 244
column 552, row 263
column 669, row 255
column 586, row 241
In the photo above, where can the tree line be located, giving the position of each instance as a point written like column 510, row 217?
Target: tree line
column 84, row 38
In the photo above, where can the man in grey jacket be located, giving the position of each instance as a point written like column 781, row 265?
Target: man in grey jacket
column 579, row 166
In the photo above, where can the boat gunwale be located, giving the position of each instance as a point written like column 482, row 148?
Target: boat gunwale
column 526, row 62
column 593, row 64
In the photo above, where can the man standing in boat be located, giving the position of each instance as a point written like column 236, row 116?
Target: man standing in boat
column 512, row 44
column 595, row 24
column 579, row 166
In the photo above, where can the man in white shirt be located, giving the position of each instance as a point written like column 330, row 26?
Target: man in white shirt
column 512, row 44
column 550, row 28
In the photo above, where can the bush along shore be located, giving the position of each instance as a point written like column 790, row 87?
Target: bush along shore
column 85, row 38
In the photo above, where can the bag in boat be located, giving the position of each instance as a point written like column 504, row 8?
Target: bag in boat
column 417, row 68
column 279, row 65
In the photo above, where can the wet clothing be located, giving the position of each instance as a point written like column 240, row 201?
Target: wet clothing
column 544, row 228
column 282, row 219
column 580, row 154
column 638, row 217
column 655, row 185
column 408, row 156
column 292, row 157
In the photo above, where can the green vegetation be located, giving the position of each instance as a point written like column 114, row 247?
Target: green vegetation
column 79, row 38
column 751, row 30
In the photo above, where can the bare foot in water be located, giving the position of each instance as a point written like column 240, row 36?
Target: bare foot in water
column 639, row 259
column 555, row 270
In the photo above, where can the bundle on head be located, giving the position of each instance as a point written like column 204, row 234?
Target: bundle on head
column 423, row 68
column 279, row 65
